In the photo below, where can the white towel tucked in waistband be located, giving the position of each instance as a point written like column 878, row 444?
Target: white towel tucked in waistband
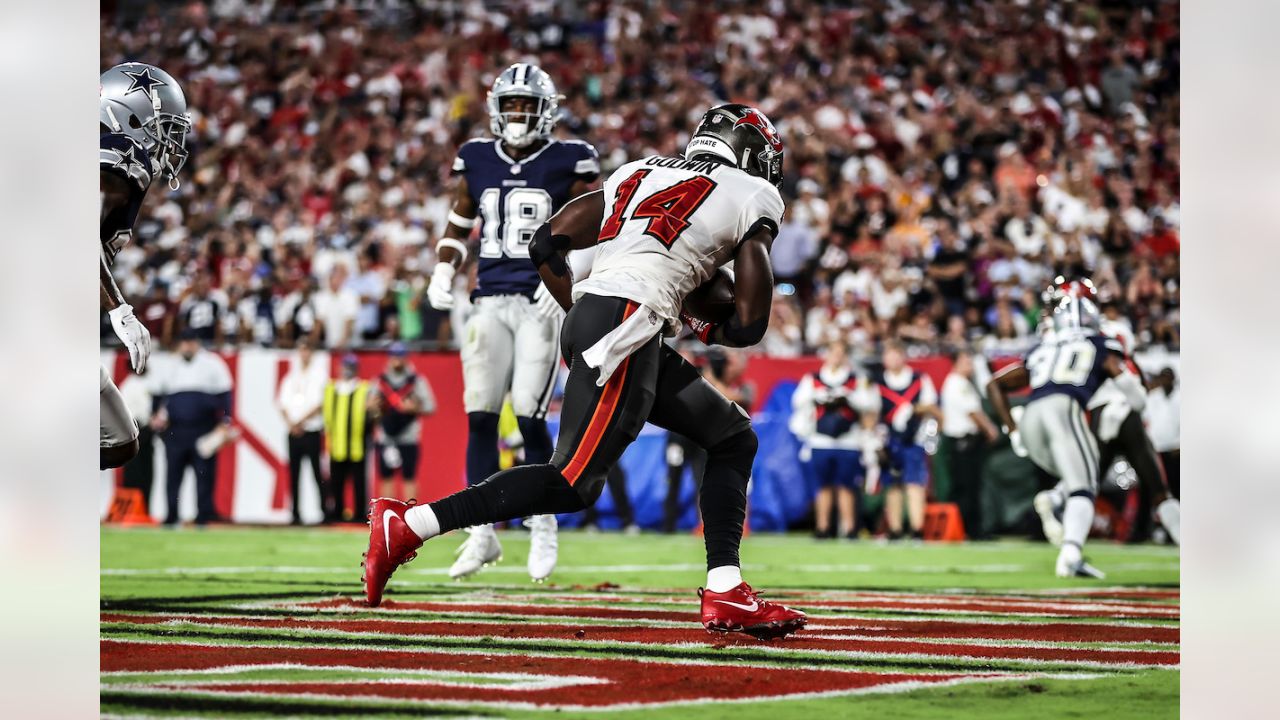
column 609, row 351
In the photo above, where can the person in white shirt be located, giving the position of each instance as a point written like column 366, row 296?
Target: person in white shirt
column 194, row 417
column 336, row 308
column 968, row 430
column 833, row 412
column 1164, row 408
column 300, row 399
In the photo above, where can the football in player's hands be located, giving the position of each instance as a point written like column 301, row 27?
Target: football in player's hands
column 712, row 301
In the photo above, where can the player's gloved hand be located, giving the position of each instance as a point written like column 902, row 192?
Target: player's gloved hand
column 546, row 304
column 701, row 328
column 440, row 291
column 1015, row 442
column 133, row 334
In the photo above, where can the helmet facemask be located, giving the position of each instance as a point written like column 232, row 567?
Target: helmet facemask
column 521, row 119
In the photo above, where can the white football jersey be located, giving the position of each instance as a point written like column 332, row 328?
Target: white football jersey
column 668, row 224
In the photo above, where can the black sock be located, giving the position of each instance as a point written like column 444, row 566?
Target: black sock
column 537, row 440
column 723, row 498
column 482, row 446
column 518, row 492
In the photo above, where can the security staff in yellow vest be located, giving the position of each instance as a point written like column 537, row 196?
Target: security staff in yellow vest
column 346, row 407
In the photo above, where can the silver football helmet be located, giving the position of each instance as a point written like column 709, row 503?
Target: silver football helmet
column 147, row 104
column 1074, row 312
column 520, row 128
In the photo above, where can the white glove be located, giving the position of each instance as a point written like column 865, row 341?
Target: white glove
column 440, row 291
column 546, row 304
column 133, row 334
column 1015, row 442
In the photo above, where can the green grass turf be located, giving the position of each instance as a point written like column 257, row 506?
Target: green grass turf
column 242, row 562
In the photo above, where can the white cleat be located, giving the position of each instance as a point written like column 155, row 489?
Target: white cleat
column 481, row 548
column 1071, row 564
column 543, row 546
column 1170, row 514
column 1046, row 504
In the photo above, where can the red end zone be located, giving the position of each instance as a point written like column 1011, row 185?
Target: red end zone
column 617, row 681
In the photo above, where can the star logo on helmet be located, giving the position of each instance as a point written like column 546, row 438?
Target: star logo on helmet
column 127, row 157
column 761, row 123
column 142, row 80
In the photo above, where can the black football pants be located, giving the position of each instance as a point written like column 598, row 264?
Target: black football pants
column 598, row 422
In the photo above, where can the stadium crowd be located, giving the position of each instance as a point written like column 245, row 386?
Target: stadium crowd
column 944, row 159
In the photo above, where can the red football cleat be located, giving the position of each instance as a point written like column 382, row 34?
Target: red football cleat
column 742, row 610
column 391, row 544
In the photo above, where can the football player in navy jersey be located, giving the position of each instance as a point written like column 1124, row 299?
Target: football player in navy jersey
column 1064, row 371
column 142, row 117
column 509, row 186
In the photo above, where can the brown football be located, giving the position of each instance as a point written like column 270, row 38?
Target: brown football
column 712, row 301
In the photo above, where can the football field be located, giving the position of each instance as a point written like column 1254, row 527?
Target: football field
column 250, row 622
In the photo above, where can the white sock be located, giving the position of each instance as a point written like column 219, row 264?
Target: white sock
column 1170, row 514
column 1077, row 518
column 724, row 578
column 422, row 520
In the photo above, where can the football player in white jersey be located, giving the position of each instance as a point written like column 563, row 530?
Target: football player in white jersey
column 1118, row 427
column 509, row 185
column 663, row 227
column 1063, row 372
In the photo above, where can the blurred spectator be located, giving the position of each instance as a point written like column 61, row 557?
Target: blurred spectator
column 968, row 430
column 158, row 313
column 1162, row 414
column 400, row 397
column 681, row 453
column 323, row 133
column 299, row 399
column 347, row 430
column 834, row 413
column 201, row 309
column 908, row 399
column 193, row 416
column 336, row 308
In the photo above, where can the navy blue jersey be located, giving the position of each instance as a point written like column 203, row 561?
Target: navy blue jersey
column 892, row 401
column 1071, row 364
column 514, row 198
column 836, row 417
column 122, row 156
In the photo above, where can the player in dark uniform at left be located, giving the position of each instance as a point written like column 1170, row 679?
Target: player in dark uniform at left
column 142, row 117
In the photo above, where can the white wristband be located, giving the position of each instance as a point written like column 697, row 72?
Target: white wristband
column 465, row 223
column 458, row 245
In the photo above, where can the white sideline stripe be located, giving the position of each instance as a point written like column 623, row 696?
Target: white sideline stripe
column 499, row 618
column 594, row 621
column 765, row 649
column 816, row 632
column 519, row 681
column 320, row 644
column 887, row 688
column 675, row 567
column 818, row 612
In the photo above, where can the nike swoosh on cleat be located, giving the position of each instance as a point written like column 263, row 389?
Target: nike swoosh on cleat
column 749, row 608
column 386, row 528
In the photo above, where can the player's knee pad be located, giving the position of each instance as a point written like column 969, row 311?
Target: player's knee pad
column 737, row 450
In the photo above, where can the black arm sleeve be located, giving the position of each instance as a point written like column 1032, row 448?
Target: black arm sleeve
column 548, row 249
